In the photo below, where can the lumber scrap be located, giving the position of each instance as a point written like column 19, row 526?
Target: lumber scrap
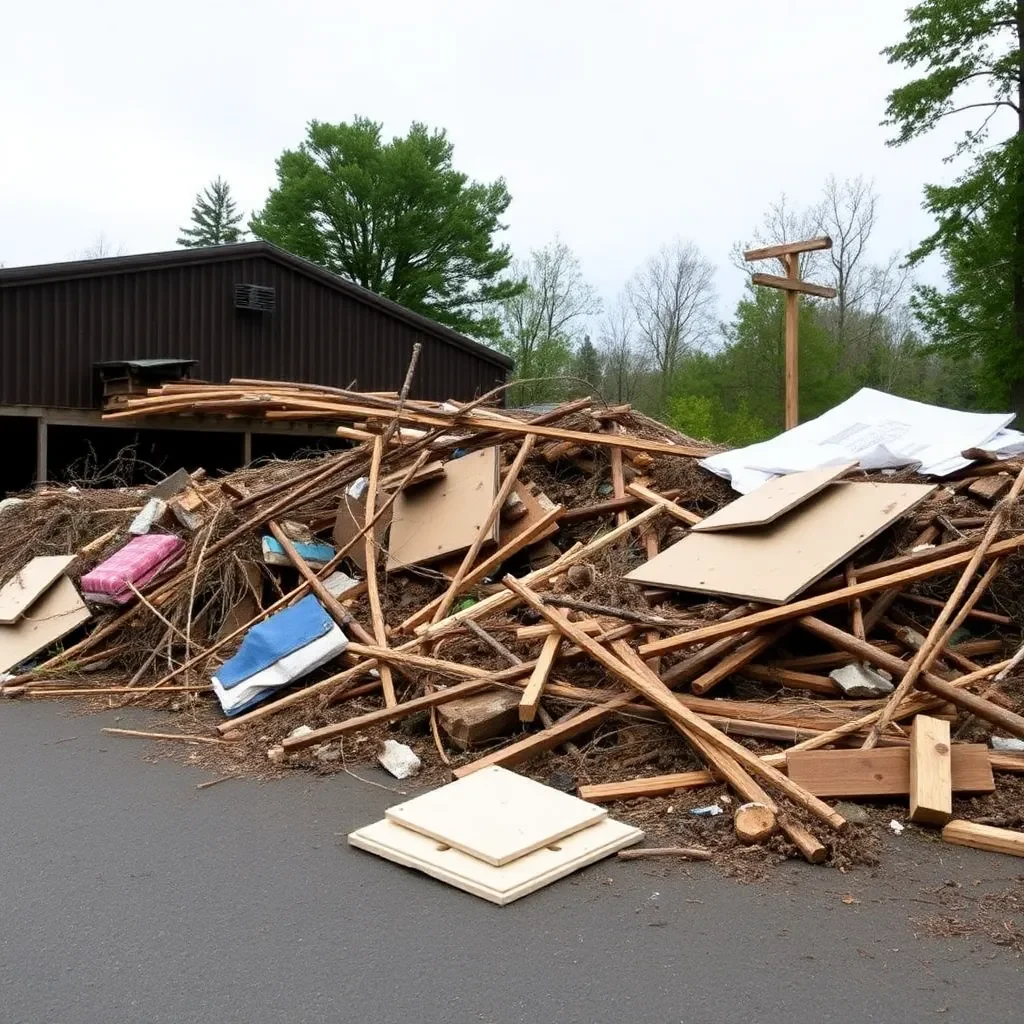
column 984, row 837
column 883, row 771
column 931, row 771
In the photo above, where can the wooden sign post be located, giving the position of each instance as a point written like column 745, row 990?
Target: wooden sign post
column 789, row 255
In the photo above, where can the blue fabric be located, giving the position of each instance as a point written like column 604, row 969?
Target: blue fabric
column 275, row 638
column 315, row 552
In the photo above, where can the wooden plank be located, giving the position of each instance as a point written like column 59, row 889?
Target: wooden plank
column 530, row 700
column 772, row 499
column 883, row 771
column 790, row 285
column 776, row 562
column 931, row 777
column 735, row 661
column 380, row 632
column 809, row 605
column 990, row 488
column 653, row 498
column 443, row 517
column 542, row 630
column 787, row 248
column 662, row 697
column 29, row 583
column 984, row 837
column 54, row 615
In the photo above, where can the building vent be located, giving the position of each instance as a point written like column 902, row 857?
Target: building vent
column 255, row 297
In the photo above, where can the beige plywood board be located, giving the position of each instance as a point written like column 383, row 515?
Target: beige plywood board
column 29, row 584
column 502, row 884
column 771, row 564
column 54, row 615
column 443, row 517
column 772, row 499
column 496, row 815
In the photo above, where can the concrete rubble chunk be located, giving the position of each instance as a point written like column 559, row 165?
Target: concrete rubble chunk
column 859, row 680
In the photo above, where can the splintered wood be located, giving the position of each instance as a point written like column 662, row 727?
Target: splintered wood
column 559, row 593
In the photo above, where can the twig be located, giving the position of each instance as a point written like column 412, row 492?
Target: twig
column 686, row 852
column 164, row 736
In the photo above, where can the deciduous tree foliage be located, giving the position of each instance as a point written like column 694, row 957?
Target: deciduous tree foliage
column 395, row 217
column 967, row 58
column 215, row 219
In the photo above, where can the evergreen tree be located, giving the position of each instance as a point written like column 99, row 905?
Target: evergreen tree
column 215, row 219
column 586, row 367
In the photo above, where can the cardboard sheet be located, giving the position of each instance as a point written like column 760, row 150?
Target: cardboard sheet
column 443, row 517
column 29, row 584
column 54, row 615
column 771, row 564
column 879, row 430
column 772, row 499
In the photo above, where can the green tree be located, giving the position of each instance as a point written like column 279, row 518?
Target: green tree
column 541, row 323
column 969, row 58
column 215, row 219
column 394, row 217
column 586, row 367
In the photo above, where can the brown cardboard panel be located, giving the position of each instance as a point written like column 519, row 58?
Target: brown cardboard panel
column 55, row 614
column 29, row 584
column 443, row 517
column 773, row 563
column 772, row 499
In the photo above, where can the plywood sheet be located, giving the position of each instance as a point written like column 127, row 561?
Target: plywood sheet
column 536, row 509
column 883, row 771
column 496, row 815
column 503, row 884
column 443, row 517
column 29, row 584
column 772, row 499
column 55, row 614
column 771, row 564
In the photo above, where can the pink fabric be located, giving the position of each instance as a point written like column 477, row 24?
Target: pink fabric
column 137, row 563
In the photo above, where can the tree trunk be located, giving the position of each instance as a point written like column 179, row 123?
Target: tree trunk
column 1017, row 384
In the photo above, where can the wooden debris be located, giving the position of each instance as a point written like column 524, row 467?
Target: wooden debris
column 931, row 771
column 984, row 837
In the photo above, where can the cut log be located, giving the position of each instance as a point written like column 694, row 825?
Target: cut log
column 931, row 773
column 754, row 823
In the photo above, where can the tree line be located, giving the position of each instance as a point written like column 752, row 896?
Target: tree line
column 395, row 216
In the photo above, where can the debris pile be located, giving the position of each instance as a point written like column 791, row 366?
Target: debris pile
column 570, row 594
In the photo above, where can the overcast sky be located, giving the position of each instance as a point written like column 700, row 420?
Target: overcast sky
column 618, row 126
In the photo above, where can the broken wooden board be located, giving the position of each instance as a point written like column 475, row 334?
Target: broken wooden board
column 990, row 488
column 443, row 517
column 883, row 771
column 54, row 615
column 471, row 721
column 28, row 584
column 772, row 499
column 499, row 884
column 773, row 563
column 496, row 815
column 984, row 837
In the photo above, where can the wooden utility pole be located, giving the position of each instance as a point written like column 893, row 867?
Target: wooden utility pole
column 789, row 255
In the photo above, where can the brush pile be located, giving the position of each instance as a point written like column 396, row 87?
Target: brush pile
column 541, row 591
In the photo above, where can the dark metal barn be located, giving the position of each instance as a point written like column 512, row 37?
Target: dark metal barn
column 246, row 310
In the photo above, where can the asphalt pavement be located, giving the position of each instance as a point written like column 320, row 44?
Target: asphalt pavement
column 128, row 896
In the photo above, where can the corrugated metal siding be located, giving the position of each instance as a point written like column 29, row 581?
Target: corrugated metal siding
column 52, row 332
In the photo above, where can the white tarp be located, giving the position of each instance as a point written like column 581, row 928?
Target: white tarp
column 881, row 431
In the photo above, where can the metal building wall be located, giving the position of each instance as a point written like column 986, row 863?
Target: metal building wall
column 53, row 330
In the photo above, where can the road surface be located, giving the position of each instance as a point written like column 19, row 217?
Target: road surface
column 130, row 897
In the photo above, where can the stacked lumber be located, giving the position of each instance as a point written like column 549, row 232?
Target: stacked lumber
column 533, row 588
